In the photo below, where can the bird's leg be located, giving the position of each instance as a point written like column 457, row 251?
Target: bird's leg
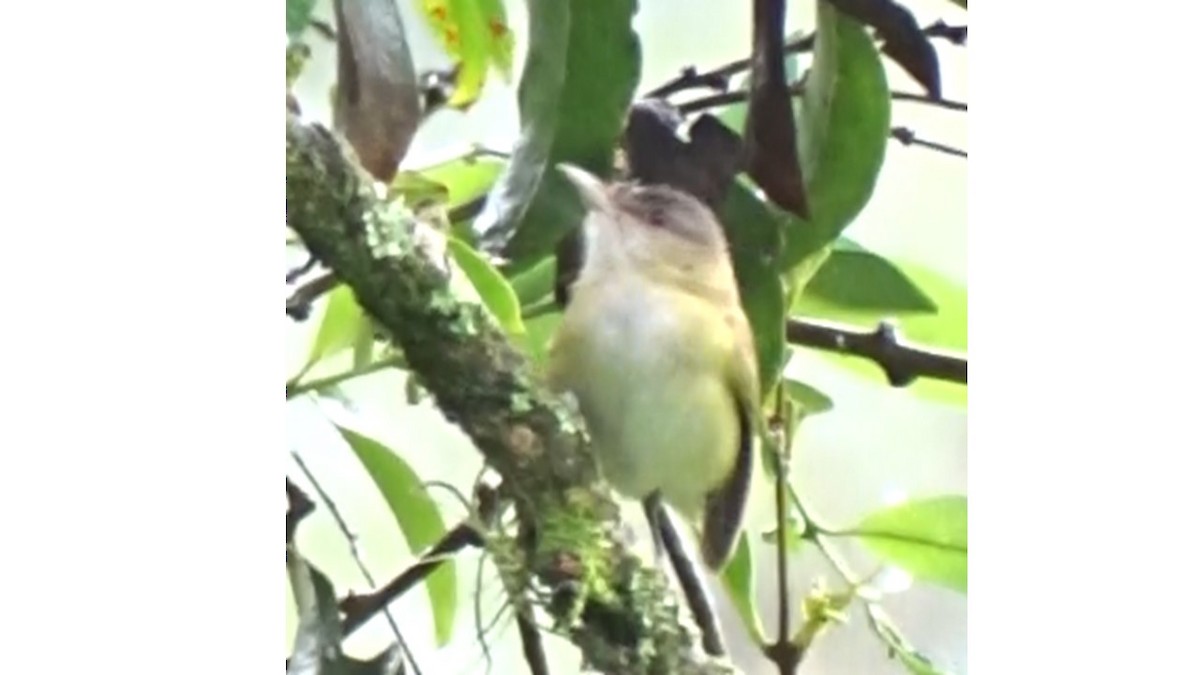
column 656, row 516
column 667, row 539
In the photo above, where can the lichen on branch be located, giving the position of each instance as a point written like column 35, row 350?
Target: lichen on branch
column 616, row 609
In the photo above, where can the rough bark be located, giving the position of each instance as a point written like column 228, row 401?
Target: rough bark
column 617, row 609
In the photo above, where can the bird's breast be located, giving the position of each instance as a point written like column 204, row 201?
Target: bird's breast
column 645, row 362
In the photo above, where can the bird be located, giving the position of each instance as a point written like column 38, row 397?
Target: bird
column 657, row 350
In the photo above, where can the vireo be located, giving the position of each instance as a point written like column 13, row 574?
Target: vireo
column 658, row 352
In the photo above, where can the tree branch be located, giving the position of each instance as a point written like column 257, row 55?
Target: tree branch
column 359, row 608
column 621, row 614
column 902, row 364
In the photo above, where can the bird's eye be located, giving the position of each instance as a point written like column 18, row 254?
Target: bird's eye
column 656, row 218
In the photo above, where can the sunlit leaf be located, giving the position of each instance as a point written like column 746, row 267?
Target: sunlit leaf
column 845, row 122
column 465, row 178
column 475, row 33
column 738, row 579
column 340, row 327
column 571, row 115
column 298, row 14
column 927, row 538
column 418, row 518
column 493, row 288
column 810, row 399
column 416, row 189
column 377, row 104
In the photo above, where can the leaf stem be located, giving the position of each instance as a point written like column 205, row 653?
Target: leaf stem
column 295, row 389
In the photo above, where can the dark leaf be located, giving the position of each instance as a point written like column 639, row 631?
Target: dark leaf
column 298, row 14
column 770, row 134
column 418, row 518
column 704, row 166
column 927, row 538
column 754, row 234
column 579, row 78
column 903, row 39
column 317, row 649
column 738, row 579
column 858, row 280
column 377, row 105
column 844, row 130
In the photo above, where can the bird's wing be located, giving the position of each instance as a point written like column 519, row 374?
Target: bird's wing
column 725, row 506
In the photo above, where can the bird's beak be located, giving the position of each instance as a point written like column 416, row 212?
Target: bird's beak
column 591, row 189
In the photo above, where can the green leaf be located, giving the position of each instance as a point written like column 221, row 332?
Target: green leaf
column 416, row 190
column 319, row 635
column 579, row 78
column 927, row 538
column 418, row 518
column 754, row 242
column 299, row 12
column 535, row 283
column 497, row 295
column 844, row 126
column 465, row 178
column 738, row 579
column 810, row 399
column 340, row 327
column 539, row 331
column 861, row 281
column 475, row 34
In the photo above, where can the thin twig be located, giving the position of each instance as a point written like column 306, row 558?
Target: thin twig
column 901, row 363
column 929, row 100
column 352, row 542
column 359, row 608
column 718, row 78
column 299, row 306
column 728, row 97
column 907, row 137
